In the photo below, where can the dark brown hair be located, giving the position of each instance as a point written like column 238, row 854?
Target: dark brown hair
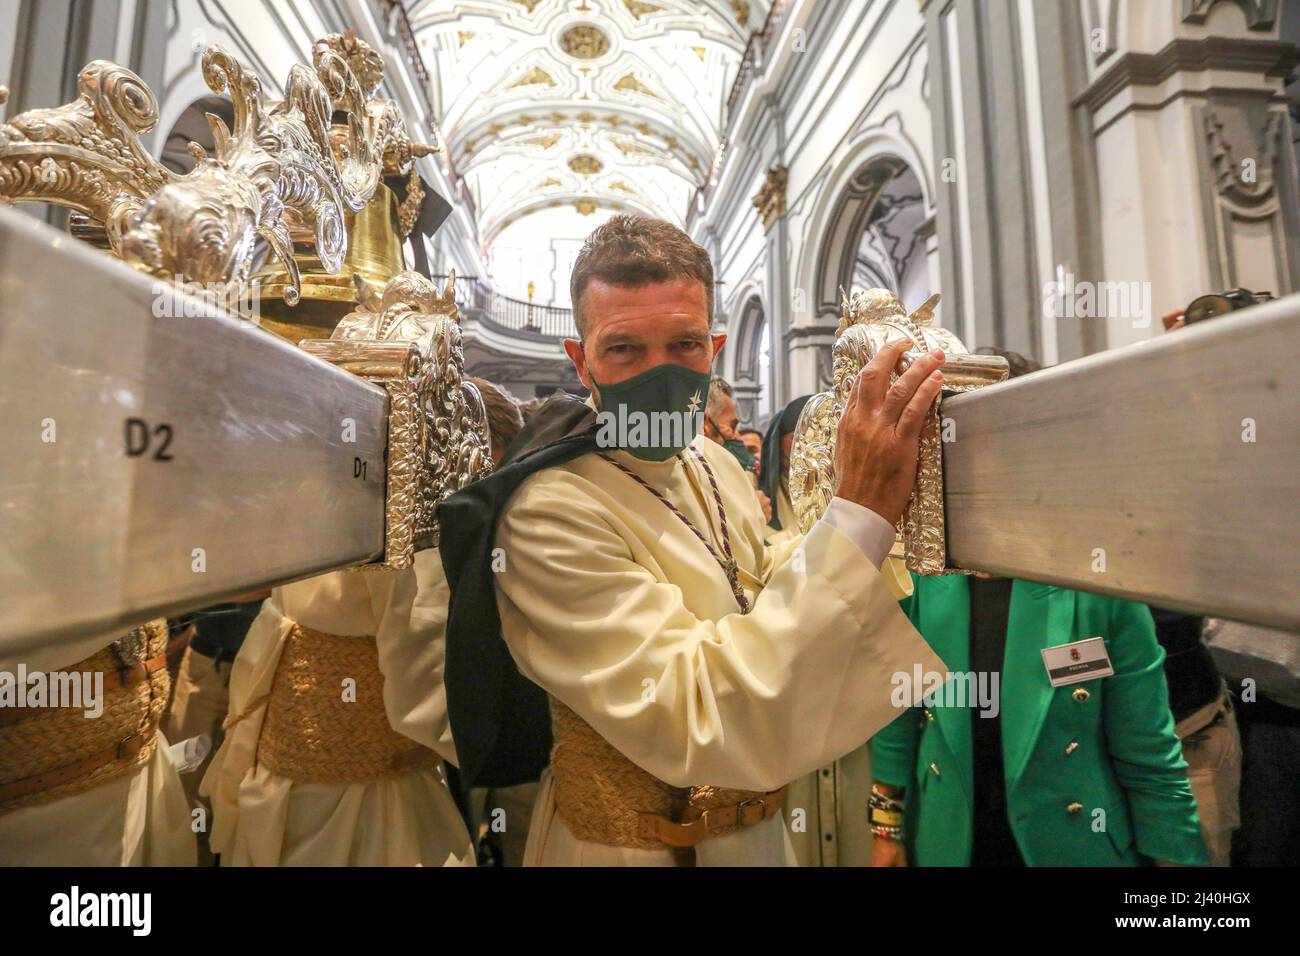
column 637, row 250
column 504, row 420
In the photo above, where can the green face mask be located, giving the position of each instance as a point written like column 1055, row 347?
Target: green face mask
column 738, row 449
column 654, row 415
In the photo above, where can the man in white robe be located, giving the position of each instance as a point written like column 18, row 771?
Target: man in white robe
column 674, row 678
column 265, row 818
column 137, row 818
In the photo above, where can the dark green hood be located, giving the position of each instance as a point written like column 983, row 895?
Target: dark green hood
column 770, row 474
column 500, row 720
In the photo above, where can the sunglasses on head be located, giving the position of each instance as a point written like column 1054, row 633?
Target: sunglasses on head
column 1208, row 306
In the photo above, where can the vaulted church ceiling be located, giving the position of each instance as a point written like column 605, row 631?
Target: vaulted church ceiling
column 590, row 104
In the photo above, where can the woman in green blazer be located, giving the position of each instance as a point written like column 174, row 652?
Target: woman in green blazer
column 1092, row 773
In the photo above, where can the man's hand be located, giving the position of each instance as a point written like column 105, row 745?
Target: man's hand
column 879, row 433
column 887, row 852
column 765, row 503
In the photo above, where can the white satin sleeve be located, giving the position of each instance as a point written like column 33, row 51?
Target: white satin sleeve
column 873, row 534
column 411, row 640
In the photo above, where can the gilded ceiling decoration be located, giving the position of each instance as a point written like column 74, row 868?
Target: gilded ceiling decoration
column 534, row 205
column 585, row 207
column 544, row 142
column 584, row 42
column 639, row 9
column 534, row 77
column 630, row 84
column 586, row 165
column 636, row 87
column 631, row 148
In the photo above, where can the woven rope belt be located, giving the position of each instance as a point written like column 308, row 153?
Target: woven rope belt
column 603, row 797
column 320, row 730
column 52, row 752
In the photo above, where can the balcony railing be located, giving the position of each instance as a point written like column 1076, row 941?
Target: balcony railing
column 755, row 55
column 752, row 62
column 547, row 320
column 476, row 298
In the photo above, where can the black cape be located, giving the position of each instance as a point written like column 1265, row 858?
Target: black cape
column 500, row 720
column 769, row 479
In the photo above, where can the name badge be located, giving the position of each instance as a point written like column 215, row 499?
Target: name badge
column 1080, row 661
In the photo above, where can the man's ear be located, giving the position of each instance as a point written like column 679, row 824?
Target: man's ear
column 573, row 349
column 719, row 340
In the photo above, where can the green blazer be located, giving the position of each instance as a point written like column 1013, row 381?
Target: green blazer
column 1095, row 775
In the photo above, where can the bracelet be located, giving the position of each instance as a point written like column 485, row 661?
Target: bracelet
column 885, row 815
column 885, row 810
column 886, row 806
column 880, row 798
column 885, row 818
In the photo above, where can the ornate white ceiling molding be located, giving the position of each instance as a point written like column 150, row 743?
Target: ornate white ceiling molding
column 584, row 203
column 526, row 86
column 520, row 124
column 638, row 151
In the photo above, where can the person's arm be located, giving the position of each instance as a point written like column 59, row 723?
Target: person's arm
column 411, row 644
column 893, row 750
column 893, row 762
column 747, row 701
column 893, row 757
column 1145, row 751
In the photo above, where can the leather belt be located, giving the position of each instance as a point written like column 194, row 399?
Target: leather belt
column 113, row 680
column 124, row 749
column 747, row 813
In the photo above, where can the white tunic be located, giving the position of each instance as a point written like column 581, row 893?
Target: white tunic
column 263, row 819
column 612, row 605
column 140, row 819
column 785, row 511
column 833, row 829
